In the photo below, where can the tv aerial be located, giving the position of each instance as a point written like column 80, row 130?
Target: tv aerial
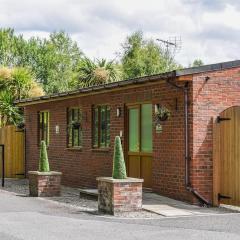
column 172, row 46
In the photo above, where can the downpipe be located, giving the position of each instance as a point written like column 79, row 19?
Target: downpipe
column 188, row 184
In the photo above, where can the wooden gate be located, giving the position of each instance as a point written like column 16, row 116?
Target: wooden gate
column 13, row 140
column 227, row 157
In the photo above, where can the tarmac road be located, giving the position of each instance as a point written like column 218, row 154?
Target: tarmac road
column 34, row 219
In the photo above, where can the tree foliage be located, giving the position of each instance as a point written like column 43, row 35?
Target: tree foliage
column 59, row 65
column 96, row 72
column 197, row 63
column 140, row 57
column 53, row 61
column 9, row 113
column 15, row 83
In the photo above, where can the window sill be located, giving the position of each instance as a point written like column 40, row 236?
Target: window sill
column 74, row 148
column 100, row 149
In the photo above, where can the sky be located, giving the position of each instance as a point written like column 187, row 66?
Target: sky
column 209, row 29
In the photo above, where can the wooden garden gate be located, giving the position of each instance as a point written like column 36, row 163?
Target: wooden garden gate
column 13, row 141
column 227, row 157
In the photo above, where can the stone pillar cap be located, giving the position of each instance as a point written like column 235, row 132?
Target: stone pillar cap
column 44, row 173
column 126, row 180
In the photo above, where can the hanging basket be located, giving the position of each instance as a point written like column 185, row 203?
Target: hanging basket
column 162, row 114
column 75, row 124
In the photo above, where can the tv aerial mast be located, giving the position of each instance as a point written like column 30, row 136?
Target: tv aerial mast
column 172, row 46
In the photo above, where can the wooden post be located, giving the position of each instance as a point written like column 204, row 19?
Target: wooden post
column 216, row 162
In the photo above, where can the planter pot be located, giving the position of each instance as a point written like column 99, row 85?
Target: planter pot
column 162, row 118
column 119, row 195
column 44, row 184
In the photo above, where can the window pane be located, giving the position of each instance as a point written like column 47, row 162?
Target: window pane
column 103, row 127
column 108, row 126
column 146, row 128
column 134, row 130
column 75, row 137
column 44, row 127
column 46, row 130
column 69, row 121
column 75, row 114
column 95, row 134
column 40, row 127
column 74, row 133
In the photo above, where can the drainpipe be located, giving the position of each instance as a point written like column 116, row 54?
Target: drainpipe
column 188, row 185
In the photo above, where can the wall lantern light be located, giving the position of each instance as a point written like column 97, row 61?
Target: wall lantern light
column 118, row 112
column 57, row 129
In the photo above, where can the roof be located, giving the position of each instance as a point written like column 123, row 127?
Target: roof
column 133, row 81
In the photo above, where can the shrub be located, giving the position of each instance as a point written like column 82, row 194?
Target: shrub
column 43, row 161
column 119, row 168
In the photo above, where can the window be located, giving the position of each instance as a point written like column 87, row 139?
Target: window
column 43, row 127
column 101, row 126
column 74, row 138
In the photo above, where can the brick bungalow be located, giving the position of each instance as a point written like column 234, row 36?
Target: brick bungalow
column 178, row 158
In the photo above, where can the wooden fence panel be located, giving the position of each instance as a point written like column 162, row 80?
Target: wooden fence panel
column 13, row 140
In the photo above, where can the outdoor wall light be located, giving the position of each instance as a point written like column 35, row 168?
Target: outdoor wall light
column 118, row 112
column 57, row 129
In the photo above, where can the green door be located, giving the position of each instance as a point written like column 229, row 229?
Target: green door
column 140, row 142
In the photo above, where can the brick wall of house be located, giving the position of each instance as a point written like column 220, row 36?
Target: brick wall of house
column 209, row 99
column 80, row 168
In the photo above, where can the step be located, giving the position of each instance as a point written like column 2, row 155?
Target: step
column 88, row 192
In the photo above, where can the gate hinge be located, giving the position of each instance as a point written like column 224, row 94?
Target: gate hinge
column 220, row 196
column 220, row 119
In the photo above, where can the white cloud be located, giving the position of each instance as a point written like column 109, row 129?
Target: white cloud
column 209, row 28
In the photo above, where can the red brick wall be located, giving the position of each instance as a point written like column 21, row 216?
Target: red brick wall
column 80, row 168
column 209, row 99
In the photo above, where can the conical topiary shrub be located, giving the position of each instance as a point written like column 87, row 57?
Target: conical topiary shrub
column 119, row 168
column 43, row 161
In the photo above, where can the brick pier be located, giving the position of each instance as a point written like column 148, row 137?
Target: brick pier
column 119, row 195
column 44, row 184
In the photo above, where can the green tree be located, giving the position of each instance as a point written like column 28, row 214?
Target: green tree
column 119, row 168
column 53, row 61
column 96, row 72
column 9, row 114
column 12, row 48
column 140, row 57
column 15, row 83
column 197, row 63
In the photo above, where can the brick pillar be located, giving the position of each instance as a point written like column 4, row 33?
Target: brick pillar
column 119, row 195
column 44, row 184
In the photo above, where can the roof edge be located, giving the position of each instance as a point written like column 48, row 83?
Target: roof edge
column 208, row 68
column 139, row 80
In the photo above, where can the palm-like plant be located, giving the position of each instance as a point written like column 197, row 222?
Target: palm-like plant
column 96, row 72
column 14, row 84
column 9, row 113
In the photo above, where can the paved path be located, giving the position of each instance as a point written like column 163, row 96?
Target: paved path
column 25, row 218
